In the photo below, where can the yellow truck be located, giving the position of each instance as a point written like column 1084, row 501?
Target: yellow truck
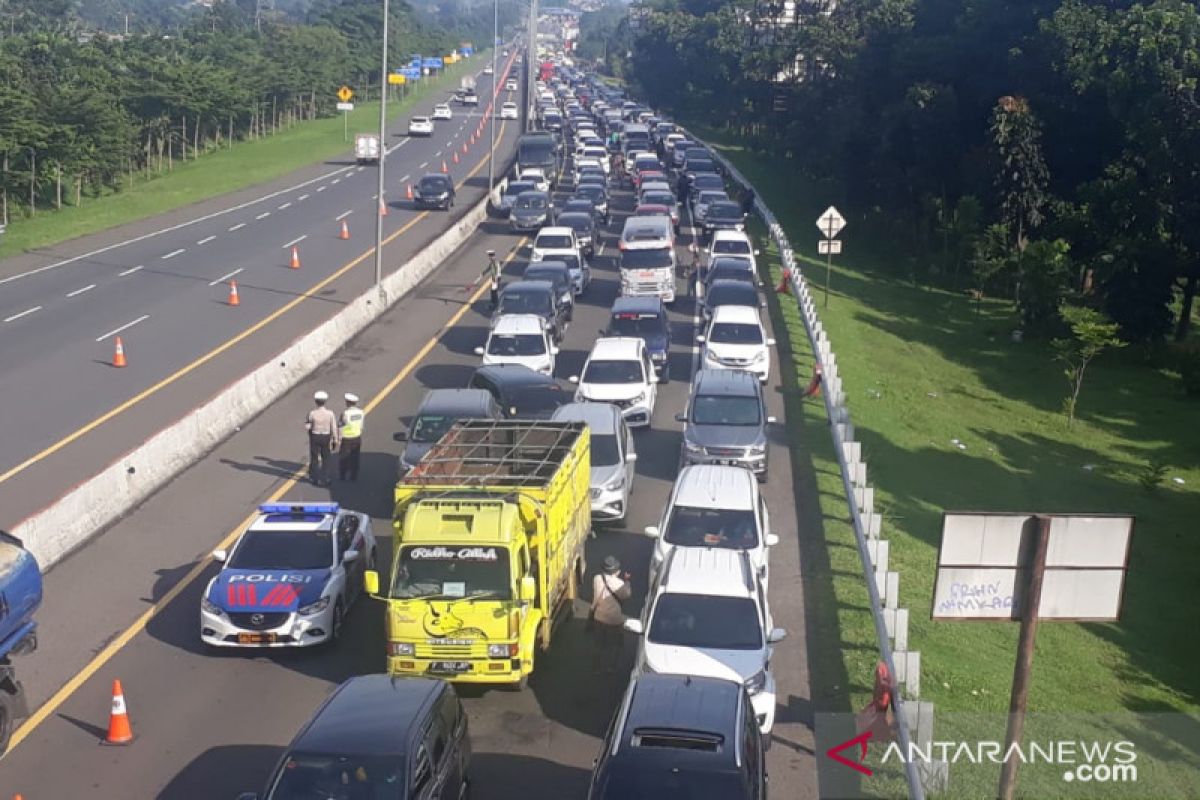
column 489, row 550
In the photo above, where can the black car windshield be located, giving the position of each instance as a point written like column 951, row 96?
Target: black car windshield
column 534, row 202
column 735, row 333
column 731, row 293
column 731, row 246
column 580, row 223
column 283, row 549
column 723, row 210
column 604, row 450
column 708, row 181
column 305, row 776
column 613, row 372
column 592, row 192
column 434, row 183
column 658, row 199
column 699, row 165
column 451, row 572
column 524, row 302
column 584, row 206
column 636, row 325
column 726, row 409
column 726, row 528
column 645, row 259
column 516, row 187
column 552, row 241
column 538, row 401
column 521, row 344
column 696, row 783
column 430, row 427
column 551, row 275
column 700, row 620
column 730, row 273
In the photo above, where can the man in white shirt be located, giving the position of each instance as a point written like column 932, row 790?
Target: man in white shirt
column 609, row 588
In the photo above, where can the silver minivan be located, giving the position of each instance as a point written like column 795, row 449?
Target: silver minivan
column 612, row 456
column 440, row 409
column 726, row 421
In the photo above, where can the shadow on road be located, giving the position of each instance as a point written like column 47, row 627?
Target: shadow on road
column 223, row 771
column 494, row 774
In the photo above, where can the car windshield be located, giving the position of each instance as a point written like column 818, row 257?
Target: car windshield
column 452, row 572
column 735, row 333
column 731, row 246
column 726, row 528
column 711, row 197
column 646, row 259
column 516, row 187
column 592, row 192
column 434, row 184
column 535, row 202
column 580, row 223
column 731, row 293
column 724, row 210
column 731, row 272
column 430, row 427
column 726, row 409
column 613, row 372
column 538, row 401
column 519, row 344
column 553, row 241
column 420, row 120
column 571, row 261
column 604, row 450
column 659, row 199
column 309, row 775
column 582, row 206
column 524, row 302
column 554, row 276
column 699, row 620
column 283, row 549
column 699, row 165
column 640, row 325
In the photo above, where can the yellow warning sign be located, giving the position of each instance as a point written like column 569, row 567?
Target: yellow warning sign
column 344, row 94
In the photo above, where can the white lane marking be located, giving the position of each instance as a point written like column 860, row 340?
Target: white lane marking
column 124, row 327
column 345, row 214
column 263, row 215
column 78, row 292
column 302, row 197
column 161, row 231
column 424, row 164
column 320, row 188
column 285, row 205
column 224, row 278
column 173, row 253
column 600, row 251
column 438, row 154
column 295, row 241
column 335, row 181
column 398, row 146
column 406, row 177
column 360, row 169
column 130, row 271
column 24, row 313
column 237, row 227
column 206, row 239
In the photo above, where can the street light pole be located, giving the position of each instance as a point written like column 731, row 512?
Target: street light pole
column 533, row 29
column 383, row 86
column 495, row 95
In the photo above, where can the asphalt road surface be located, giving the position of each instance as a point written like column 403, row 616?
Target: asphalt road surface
column 211, row 725
column 163, row 286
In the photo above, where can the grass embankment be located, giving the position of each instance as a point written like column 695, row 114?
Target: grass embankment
column 925, row 371
column 245, row 164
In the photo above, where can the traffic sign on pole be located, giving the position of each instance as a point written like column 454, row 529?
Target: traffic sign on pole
column 829, row 247
column 344, row 94
column 831, row 222
column 345, row 106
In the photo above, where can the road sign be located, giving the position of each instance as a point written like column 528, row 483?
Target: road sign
column 397, row 79
column 831, row 222
column 829, row 247
column 345, row 106
column 344, row 94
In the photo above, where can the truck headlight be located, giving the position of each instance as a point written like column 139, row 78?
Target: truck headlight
column 692, row 447
column 314, row 608
column 212, row 608
column 503, row 650
column 641, row 397
column 402, row 649
column 756, row 682
column 757, row 449
column 658, row 356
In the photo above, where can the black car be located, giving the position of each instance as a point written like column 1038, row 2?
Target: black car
column 521, row 393
column 677, row 736
column 536, row 297
column 729, row 292
column 726, row 268
column 435, row 191
column 584, row 225
column 558, row 274
column 378, row 737
column 577, row 205
column 723, row 215
column 645, row 318
column 598, row 196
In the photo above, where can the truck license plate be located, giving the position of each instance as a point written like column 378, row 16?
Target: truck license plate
column 256, row 638
column 450, row 667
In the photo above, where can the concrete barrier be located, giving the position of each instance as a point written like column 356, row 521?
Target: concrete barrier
column 99, row 501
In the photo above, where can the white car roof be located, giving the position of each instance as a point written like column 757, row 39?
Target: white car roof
column 728, row 236
column 713, row 571
column 288, row 522
column 533, row 171
column 518, row 323
column 442, row 105
column 738, row 314
column 617, row 348
column 602, row 418
column 420, row 119
column 508, row 103
column 554, row 230
column 714, row 486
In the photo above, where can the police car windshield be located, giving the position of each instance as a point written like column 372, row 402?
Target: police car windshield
column 451, row 572
column 305, row 776
column 283, row 549
column 726, row 528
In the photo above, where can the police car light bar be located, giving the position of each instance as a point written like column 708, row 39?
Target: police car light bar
column 300, row 508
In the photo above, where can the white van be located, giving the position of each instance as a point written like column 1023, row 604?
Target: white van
column 647, row 262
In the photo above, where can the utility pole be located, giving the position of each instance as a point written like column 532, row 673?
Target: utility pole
column 533, row 28
column 495, row 96
column 383, row 75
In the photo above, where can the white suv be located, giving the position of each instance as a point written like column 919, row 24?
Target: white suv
column 520, row 339
column 714, row 507
column 732, row 244
column 735, row 339
column 442, row 111
column 707, row 615
column 559, row 243
column 619, row 371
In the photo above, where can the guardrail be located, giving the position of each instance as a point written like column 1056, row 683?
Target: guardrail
column 914, row 720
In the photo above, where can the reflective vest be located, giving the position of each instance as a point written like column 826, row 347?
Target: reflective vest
column 352, row 423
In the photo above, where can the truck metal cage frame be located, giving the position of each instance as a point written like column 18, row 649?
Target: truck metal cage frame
column 497, row 453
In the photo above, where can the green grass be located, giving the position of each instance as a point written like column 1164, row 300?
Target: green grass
column 921, row 367
column 245, row 164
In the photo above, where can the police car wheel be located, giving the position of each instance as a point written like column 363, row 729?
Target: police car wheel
column 335, row 623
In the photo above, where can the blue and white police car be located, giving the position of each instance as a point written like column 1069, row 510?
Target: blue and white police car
column 290, row 578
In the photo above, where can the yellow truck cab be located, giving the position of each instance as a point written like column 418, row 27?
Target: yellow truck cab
column 489, row 550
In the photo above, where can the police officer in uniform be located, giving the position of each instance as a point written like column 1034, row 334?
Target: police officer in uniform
column 491, row 273
column 351, row 432
column 323, row 436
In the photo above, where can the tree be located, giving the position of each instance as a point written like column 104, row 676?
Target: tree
column 1022, row 177
column 1091, row 334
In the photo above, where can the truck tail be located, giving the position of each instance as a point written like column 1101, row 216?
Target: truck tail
column 21, row 595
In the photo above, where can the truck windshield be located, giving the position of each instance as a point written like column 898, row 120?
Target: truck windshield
column 283, row 549
column 306, row 775
column 448, row 572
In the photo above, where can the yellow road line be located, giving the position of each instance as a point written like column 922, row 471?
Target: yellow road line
column 139, row 625
column 210, row 355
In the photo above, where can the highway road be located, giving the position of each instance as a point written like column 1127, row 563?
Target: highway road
column 211, row 725
column 163, row 285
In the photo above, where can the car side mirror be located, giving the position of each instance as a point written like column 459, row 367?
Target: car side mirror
column 478, row 351
column 220, row 555
column 770, row 342
column 350, row 556
column 634, row 626
column 528, row 589
column 758, row 252
column 700, row 339
column 777, row 635
column 630, row 458
column 371, row 582
column 651, row 531
column 681, row 417
column 772, row 539
column 573, row 379
column 771, row 420
column 553, row 350
column 400, row 436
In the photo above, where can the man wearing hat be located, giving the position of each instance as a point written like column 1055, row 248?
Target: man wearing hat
column 322, row 427
column 492, row 274
column 351, row 433
column 609, row 588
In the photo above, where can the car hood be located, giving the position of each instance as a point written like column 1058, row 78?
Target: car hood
column 533, row 362
column 725, row 350
column 267, row 589
column 724, row 435
column 604, row 474
column 611, row 391
column 529, row 213
column 732, row 665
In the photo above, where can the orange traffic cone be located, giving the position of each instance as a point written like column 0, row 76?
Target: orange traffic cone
column 383, row 212
column 119, row 354
column 444, row 168
column 455, row 156
column 295, row 263
column 119, row 730
column 409, row 194
column 464, row 148
column 785, row 283
column 345, row 231
column 234, row 300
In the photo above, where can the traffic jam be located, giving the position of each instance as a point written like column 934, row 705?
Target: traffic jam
column 511, row 490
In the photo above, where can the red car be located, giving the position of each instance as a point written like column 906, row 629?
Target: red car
column 651, row 210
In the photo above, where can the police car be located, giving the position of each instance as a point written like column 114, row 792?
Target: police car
column 290, row 578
